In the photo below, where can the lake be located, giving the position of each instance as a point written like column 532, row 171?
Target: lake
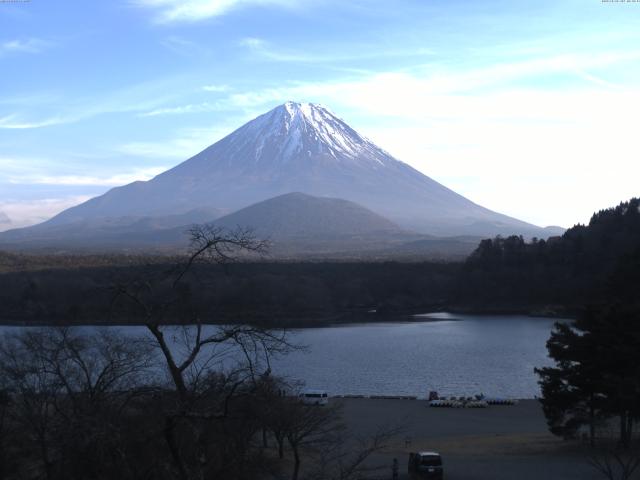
column 452, row 354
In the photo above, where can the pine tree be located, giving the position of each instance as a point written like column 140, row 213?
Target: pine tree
column 597, row 372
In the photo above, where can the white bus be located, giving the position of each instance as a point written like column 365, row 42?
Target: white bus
column 314, row 397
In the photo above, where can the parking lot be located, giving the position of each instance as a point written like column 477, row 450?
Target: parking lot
column 498, row 442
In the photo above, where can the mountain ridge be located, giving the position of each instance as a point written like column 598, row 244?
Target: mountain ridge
column 296, row 226
column 295, row 147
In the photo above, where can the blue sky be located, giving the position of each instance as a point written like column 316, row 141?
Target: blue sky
column 528, row 108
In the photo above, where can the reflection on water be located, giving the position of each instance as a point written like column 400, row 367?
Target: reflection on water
column 436, row 316
column 458, row 355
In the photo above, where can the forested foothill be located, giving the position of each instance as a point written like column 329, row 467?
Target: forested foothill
column 274, row 293
column 560, row 274
column 557, row 276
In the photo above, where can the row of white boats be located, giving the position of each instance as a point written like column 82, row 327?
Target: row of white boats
column 462, row 402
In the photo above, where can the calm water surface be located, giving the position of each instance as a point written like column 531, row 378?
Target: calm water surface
column 455, row 355
column 495, row 355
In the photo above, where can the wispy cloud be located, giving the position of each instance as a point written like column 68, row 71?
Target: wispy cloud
column 264, row 49
column 25, row 213
column 130, row 99
column 253, row 43
column 184, row 47
column 216, row 88
column 597, row 80
column 401, row 92
column 183, row 109
column 37, row 171
column 186, row 143
column 14, row 122
column 58, row 191
column 89, row 180
column 169, row 11
column 14, row 169
column 28, row 45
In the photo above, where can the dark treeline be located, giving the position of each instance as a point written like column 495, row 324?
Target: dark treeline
column 34, row 261
column 555, row 276
column 593, row 390
column 563, row 273
column 274, row 292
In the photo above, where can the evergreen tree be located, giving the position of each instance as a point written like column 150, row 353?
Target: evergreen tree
column 597, row 371
column 572, row 390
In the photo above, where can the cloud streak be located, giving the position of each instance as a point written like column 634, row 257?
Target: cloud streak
column 184, row 47
column 131, row 99
column 28, row 45
column 173, row 11
column 14, row 122
column 183, row 109
column 34, row 171
column 265, row 50
column 88, row 180
column 216, row 88
column 400, row 93
column 31, row 212
column 186, row 143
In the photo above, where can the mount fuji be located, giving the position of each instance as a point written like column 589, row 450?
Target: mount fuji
column 296, row 147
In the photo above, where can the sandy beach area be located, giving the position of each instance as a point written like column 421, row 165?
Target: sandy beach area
column 498, row 442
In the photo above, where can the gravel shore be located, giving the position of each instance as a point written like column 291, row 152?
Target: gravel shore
column 498, row 442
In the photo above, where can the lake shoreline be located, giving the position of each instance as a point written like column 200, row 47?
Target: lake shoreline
column 357, row 316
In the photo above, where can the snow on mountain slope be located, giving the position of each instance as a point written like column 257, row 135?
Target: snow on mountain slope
column 300, row 147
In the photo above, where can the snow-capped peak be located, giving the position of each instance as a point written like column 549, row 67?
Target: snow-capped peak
column 323, row 128
column 302, row 130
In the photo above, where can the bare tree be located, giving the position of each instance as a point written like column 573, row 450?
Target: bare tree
column 275, row 418
column 615, row 464
column 35, row 392
column 234, row 356
column 350, row 460
column 317, row 435
column 311, row 429
column 68, row 392
column 5, row 404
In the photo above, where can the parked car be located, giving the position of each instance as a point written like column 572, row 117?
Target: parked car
column 425, row 465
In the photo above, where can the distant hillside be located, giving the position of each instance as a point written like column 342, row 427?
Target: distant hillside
column 110, row 233
column 303, row 226
column 572, row 269
column 4, row 219
column 301, row 215
column 299, row 226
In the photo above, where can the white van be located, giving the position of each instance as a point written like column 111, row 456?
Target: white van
column 314, row 397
